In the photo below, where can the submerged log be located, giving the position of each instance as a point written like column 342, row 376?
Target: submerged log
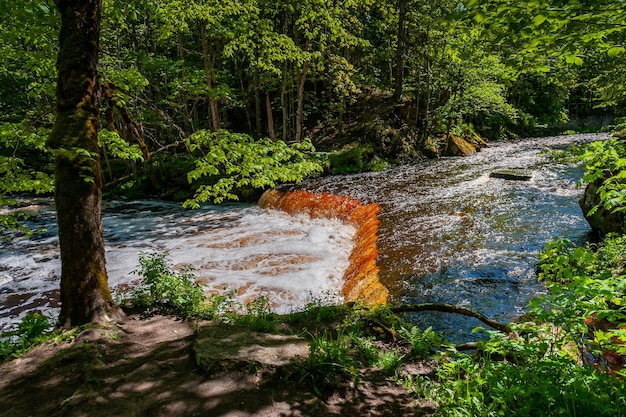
column 512, row 174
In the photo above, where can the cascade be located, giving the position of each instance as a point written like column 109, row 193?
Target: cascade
column 361, row 281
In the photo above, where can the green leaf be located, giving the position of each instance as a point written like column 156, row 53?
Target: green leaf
column 539, row 19
column 615, row 51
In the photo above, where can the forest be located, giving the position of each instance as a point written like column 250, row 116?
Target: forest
column 396, row 78
column 213, row 101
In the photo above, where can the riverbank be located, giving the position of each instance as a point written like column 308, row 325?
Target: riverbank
column 146, row 367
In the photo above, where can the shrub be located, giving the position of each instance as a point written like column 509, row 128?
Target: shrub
column 164, row 290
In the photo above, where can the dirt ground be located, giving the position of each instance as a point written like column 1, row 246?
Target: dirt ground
column 147, row 368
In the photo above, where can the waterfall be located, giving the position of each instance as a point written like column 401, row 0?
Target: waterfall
column 360, row 280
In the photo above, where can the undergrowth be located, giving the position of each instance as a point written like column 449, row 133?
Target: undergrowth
column 535, row 370
column 32, row 330
column 557, row 365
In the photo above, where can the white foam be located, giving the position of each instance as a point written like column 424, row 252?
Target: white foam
column 239, row 247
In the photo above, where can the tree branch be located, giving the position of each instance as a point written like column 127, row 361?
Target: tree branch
column 449, row 308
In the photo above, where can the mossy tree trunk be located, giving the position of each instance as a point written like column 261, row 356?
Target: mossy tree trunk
column 85, row 295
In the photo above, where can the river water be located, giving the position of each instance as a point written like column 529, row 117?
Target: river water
column 451, row 234
column 448, row 233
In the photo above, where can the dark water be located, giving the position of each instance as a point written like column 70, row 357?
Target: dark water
column 449, row 233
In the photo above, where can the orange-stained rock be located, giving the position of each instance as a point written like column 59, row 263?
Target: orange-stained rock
column 361, row 281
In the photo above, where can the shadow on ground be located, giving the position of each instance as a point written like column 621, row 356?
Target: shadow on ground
column 147, row 368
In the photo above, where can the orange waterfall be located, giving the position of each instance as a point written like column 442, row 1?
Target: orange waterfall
column 361, row 281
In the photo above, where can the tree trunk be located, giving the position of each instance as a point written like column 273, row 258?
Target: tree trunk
column 257, row 102
column 300, row 101
column 209, row 70
column 400, row 51
column 284, row 103
column 270, row 117
column 85, row 295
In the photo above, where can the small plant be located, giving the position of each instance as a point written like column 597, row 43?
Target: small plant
column 258, row 315
column 422, row 343
column 328, row 362
column 219, row 306
column 32, row 329
column 389, row 362
column 164, row 290
column 318, row 310
column 365, row 349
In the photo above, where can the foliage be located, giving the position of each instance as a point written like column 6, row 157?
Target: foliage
column 164, row 290
column 257, row 315
column 24, row 167
column 549, row 386
column 32, row 329
column 587, row 285
column 562, row 27
column 541, row 95
column 319, row 311
column 354, row 158
column 27, row 74
column 541, row 37
column 423, row 343
column 118, row 147
column 237, row 161
column 606, row 162
column 389, row 361
column 329, row 360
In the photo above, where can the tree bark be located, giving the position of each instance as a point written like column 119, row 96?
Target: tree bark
column 257, row 101
column 85, row 295
column 270, row 117
column 284, row 104
column 300, row 100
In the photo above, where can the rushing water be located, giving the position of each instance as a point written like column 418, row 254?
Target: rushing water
column 290, row 260
column 448, row 233
column 451, row 234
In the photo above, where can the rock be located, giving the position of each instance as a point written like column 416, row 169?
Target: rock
column 601, row 221
column 457, row 146
column 220, row 348
column 512, row 174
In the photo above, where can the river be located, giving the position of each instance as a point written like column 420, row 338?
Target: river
column 448, row 233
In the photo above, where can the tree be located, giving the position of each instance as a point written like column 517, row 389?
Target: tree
column 556, row 28
column 85, row 295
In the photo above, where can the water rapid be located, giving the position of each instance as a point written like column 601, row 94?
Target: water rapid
column 291, row 260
